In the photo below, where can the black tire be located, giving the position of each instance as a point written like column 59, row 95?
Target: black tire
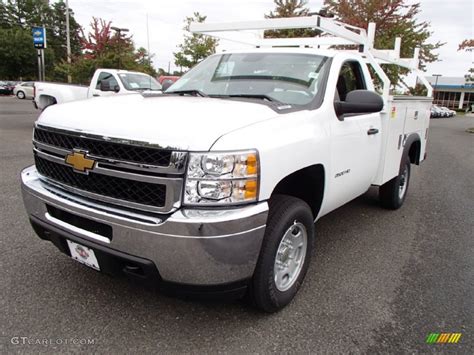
column 284, row 212
column 389, row 193
column 21, row 95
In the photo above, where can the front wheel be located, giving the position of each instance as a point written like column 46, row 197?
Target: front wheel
column 392, row 194
column 285, row 254
column 21, row 95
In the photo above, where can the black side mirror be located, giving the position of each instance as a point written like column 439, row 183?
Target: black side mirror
column 104, row 85
column 116, row 88
column 358, row 102
column 165, row 85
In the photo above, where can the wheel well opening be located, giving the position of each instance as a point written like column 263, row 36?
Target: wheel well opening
column 306, row 184
column 414, row 152
column 46, row 100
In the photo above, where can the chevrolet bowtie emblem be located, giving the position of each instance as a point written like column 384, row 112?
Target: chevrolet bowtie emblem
column 79, row 162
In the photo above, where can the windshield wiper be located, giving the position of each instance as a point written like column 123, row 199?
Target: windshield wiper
column 188, row 92
column 250, row 96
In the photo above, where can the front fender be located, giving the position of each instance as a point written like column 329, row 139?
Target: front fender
column 286, row 144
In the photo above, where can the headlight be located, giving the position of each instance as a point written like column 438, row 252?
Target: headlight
column 222, row 178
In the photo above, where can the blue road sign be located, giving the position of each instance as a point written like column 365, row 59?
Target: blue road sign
column 39, row 37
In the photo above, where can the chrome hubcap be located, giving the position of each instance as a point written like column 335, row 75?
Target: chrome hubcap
column 290, row 256
column 403, row 183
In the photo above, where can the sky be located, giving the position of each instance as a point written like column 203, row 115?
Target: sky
column 451, row 23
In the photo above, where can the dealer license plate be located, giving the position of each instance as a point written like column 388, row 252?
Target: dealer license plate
column 83, row 254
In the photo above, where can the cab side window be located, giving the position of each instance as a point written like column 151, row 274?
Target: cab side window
column 350, row 78
column 104, row 76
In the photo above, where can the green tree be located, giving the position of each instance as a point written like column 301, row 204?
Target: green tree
column 25, row 13
column 81, row 69
column 144, row 61
column 290, row 8
column 57, row 26
column 161, row 72
column 17, row 55
column 17, row 17
column 394, row 18
column 195, row 47
column 3, row 16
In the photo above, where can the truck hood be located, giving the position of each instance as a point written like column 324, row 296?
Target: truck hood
column 177, row 122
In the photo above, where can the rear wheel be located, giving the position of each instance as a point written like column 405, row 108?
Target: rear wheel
column 285, row 254
column 21, row 95
column 392, row 194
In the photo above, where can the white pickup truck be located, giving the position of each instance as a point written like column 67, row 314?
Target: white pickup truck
column 221, row 194
column 105, row 82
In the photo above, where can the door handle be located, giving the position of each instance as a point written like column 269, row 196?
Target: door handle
column 95, row 95
column 372, row 131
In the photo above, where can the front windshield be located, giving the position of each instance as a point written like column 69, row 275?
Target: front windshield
column 134, row 81
column 289, row 78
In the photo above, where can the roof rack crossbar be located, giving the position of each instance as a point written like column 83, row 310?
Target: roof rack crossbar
column 251, row 33
column 335, row 33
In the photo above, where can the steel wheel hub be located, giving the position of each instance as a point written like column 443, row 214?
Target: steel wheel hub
column 403, row 183
column 290, row 256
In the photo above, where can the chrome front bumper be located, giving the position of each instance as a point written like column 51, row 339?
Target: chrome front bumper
column 194, row 247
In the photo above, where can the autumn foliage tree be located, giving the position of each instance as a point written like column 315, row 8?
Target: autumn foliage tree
column 98, row 40
column 394, row 18
column 290, row 8
column 104, row 48
column 101, row 43
column 468, row 45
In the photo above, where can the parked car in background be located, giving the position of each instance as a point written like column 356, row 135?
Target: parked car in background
column 435, row 112
column 5, row 89
column 11, row 85
column 172, row 78
column 439, row 112
column 450, row 113
column 24, row 90
column 105, row 82
column 167, row 80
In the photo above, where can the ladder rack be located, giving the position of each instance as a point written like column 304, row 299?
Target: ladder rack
column 335, row 34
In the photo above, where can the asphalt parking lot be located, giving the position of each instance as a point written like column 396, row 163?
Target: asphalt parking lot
column 380, row 281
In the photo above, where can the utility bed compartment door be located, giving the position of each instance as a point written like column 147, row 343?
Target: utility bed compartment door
column 417, row 117
column 403, row 117
column 393, row 126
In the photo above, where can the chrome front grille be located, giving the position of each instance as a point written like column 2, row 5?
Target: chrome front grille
column 146, row 178
column 130, row 190
column 107, row 149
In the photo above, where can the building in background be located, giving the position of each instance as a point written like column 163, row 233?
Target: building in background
column 452, row 92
